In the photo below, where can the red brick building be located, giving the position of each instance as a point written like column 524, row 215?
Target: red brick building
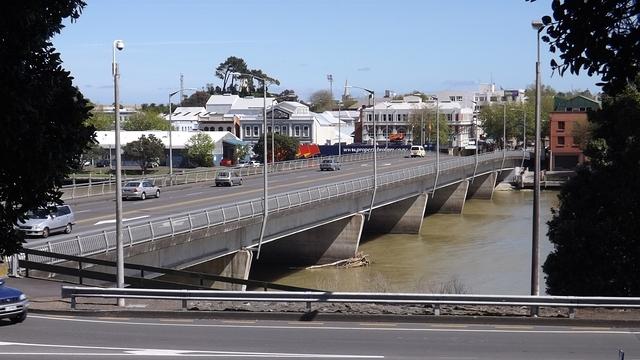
column 568, row 116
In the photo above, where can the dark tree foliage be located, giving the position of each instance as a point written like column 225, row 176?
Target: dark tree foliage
column 596, row 230
column 43, row 115
column 600, row 37
column 198, row 98
column 286, row 148
column 145, row 151
column 225, row 69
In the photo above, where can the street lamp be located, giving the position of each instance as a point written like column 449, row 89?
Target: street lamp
column 273, row 133
column 437, row 142
column 170, row 131
column 119, row 45
column 538, row 26
column 504, row 132
column 265, row 202
column 372, row 94
column 339, row 131
column 475, row 133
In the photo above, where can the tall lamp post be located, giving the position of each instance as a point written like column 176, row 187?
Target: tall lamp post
column 273, row 133
column 118, row 45
column 537, row 25
column 265, row 202
column 437, row 142
column 372, row 94
column 170, row 131
column 504, row 133
column 339, row 131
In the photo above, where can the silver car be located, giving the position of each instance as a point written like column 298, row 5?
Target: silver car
column 42, row 222
column 228, row 178
column 140, row 189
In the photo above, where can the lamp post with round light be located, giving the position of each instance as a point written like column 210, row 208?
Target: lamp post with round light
column 118, row 45
column 170, row 131
column 538, row 26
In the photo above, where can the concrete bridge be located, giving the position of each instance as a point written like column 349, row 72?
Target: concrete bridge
column 315, row 225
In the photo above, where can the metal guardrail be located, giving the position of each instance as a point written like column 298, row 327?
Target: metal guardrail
column 95, row 188
column 308, row 297
column 136, row 233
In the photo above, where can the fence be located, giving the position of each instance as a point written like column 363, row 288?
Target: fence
column 95, row 188
column 136, row 233
column 308, row 297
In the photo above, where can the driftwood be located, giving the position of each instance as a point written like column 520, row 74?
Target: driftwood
column 359, row 260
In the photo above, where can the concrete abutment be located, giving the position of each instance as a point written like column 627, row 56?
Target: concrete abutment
column 449, row 199
column 402, row 217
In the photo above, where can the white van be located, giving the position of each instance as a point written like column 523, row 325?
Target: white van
column 417, row 150
column 42, row 222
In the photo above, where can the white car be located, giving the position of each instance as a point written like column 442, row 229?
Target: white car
column 250, row 163
column 42, row 222
column 417, row 151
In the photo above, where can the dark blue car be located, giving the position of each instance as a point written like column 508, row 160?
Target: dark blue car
column 13, row 304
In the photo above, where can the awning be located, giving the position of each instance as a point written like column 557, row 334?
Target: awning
column 234, row 142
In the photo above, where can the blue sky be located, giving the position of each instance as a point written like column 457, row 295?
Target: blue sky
column 400, row 45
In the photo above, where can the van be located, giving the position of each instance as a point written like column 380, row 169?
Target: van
column 42, row 222
column 417, row 150
column 228, row 178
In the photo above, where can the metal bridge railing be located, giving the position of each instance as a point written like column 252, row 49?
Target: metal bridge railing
column 308, row 297
column 95, row 188
column 136, row 233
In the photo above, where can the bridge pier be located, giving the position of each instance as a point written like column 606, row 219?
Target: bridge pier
column 236, row 265
column 402, row 217
column 449, row 199
column 324, row 244
column 482, row 186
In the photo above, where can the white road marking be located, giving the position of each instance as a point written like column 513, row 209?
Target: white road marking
column 83, row 211
column 173, row 353
column 194, row 193
column 441, row 327
column 123, row 220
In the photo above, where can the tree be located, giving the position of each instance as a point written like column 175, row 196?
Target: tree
column 145, row 120
column 286, row 147
column 595, row 229
column 43, row 114
column 200, row 149
column 491, row 118
column 427, row 117
column 197, row 99
column 229, row 66
column 321, row 100
column 145, row 151
column 242, row 151
column 604, row 45
column 157, row 108
column 101, row 121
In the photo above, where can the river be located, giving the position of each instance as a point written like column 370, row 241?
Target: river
column 485, row 250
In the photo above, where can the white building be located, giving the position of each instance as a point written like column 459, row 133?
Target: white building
column 187, row 118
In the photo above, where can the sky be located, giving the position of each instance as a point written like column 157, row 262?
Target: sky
column 399, row 45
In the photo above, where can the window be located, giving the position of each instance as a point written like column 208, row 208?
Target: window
column 384, row 117
column 405, row 117
column 247, row 131
column 255, row 131
column 482, row 98
column 494, row 98
column 277, row 129
column 368, row 117
column 560, row 125
column 269, row 129
column 449, row 117
column 229, row 128
column 296, row 131
column 560, row 140
column 452, row 98
column 377, row 118
column 305, row 131
column 458, row 98
column 220, row 128
column 284, row 130
column 206, row 128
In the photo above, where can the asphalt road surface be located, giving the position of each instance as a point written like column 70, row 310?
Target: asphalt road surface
column 94, row 214
column 50, row 337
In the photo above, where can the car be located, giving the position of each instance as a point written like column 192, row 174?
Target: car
column 228, row 178
column 417, row 151
column 103, row 163
column 329, row 164
column 250, row 163
column 42, row 222
column 13, row 303
column 140, row 189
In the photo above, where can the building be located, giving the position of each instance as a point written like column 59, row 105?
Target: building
column 565, row 121
column 187, row 118
column 224, row 142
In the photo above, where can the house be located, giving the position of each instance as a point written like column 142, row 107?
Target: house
column 567, row 120
column 186, row 118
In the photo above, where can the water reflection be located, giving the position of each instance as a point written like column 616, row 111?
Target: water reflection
column 486, row 250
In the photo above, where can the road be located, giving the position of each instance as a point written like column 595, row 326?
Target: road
column 50, row 337
column 98, row 213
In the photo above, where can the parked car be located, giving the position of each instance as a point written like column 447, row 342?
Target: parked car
column 228, row 178
column 102, row 163
column 250, row 163
column 226, row 162
column 42, row 222
column 140, row 190
column 329, row 164
column 13, row 303
column 417, row 151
